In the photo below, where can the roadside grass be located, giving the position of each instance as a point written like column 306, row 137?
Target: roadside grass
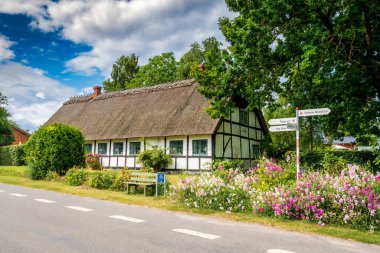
column 17, row 175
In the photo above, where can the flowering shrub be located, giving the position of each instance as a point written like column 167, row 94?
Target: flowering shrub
column 93, row 162
column 209, row 191
column 350, row 198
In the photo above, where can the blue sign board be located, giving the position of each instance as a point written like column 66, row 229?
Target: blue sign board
column 161, row 178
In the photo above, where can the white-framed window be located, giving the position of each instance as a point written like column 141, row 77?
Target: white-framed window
column 199, row 147
column 134, row 147
column 102, row 148
column 88, row 148
column 118, row 148
column 176, row 147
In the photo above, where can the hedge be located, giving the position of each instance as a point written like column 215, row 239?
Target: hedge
column 12, row 155
column 314, row 159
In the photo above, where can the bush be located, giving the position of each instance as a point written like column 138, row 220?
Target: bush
column 155, row 158
column 122, row 177
column 12, row 155
column 102, row 179
column 76, row 177
column 57, row 147
column 226, row 164
column 93, row 162
column 53, row 176
column 36, row 173
column 314, row 160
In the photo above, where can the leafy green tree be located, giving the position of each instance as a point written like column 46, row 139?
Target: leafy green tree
column 209, row 52
column 54, row 148
column 124, row 70
column 189, row 61
column 278, row 143
column 6, row 135
column 160, row 69
column 313, row 53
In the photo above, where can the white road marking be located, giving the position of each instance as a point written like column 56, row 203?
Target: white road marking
column 279, row 251
column 126, row 218
column 78, row 208
column 196, row 233
column 18, row 194
column 45, row 201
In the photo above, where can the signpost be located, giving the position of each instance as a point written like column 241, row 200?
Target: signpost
column 283, row 121
column 292, row 124
column 283, row 128
column 161, row 179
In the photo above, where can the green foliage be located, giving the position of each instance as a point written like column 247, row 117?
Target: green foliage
column 35, row 172
column 159, row 69
column 93, row 162
column 53, row 176
column 155, row 158
column 12, row 155
column 57, row 147
column 311, row 53
column 124, row 70
column 122, row 177
column 6, row 135
column 76, row 176
column 319, row 160
column 270, row 175
column 226, row 164
column 102, row 179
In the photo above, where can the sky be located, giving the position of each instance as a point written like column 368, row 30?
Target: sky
column 51, row 50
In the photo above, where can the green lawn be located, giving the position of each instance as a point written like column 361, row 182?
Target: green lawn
column 18, row 176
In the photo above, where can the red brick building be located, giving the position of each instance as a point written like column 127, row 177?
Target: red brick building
column 21, row 136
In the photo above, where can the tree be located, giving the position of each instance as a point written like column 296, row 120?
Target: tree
column 278, row 143
column 154, row 158
column 189, row 61
column 55, row 148
column 312, row 53
column 160, row 69
column 124, row 70
column 6, row 134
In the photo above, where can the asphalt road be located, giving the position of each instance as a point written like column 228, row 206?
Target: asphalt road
column 42, row 221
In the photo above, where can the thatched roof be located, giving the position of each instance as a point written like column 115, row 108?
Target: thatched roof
column 170, row 109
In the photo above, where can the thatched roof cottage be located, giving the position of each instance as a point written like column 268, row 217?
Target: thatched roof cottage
column 118, row 125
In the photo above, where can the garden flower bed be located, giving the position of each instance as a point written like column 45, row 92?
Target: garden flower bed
column 349, row 199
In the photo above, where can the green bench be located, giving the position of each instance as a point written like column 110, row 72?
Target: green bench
column 144, row 179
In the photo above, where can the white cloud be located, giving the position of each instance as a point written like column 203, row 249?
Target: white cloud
column 113, row 28
column 32, row 96
column 5, row 52
column 28, row 7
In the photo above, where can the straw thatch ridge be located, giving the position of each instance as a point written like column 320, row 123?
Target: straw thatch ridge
column 171, row 109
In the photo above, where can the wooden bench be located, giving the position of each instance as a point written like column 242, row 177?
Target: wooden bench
column 144, row 179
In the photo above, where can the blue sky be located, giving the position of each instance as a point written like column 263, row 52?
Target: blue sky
column 51, row 50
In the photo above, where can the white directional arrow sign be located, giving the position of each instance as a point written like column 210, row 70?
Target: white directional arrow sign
column 282, row 121
column 282, row 128
column 314, row 112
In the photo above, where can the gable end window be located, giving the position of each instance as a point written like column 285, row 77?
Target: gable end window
column 134, row 148
column 176, row 147
column 118, row 148
column 199, row 147
column 243, row 117
column 102, row 148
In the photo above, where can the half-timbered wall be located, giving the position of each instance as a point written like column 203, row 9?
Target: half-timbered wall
column 184, row 161
column 239, row 136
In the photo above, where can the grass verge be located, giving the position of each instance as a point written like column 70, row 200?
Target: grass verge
column 17, row 175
